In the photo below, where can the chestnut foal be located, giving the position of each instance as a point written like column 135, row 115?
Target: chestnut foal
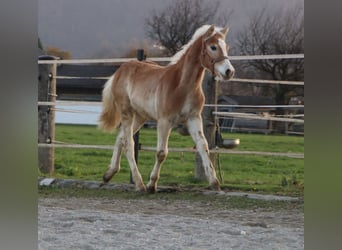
column 170, row 95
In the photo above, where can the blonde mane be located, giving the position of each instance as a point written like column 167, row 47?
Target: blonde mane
column 198, row 33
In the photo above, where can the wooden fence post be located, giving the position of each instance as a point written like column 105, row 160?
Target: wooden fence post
column 209, row 123
column 46, row 114
column 140, row 57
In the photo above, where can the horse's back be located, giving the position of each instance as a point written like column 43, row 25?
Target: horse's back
column 138, row 67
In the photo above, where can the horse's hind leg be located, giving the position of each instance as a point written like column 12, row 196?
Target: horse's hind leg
column 196, row 131
column 114, row 166
column 127, row 126
column 163, row 130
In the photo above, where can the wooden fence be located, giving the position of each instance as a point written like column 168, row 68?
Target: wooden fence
column 47, row 102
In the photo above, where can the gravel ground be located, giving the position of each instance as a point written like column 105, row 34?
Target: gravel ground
column 102, row 223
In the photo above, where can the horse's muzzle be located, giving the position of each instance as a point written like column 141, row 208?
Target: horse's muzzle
column 224, row 70
column 229, row 74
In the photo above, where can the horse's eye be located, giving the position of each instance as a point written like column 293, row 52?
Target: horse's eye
column 213, row 47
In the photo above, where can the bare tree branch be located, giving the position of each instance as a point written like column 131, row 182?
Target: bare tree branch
column 174, row 26
column 281, row 33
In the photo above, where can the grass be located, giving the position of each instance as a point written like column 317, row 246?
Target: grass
column 265, row 174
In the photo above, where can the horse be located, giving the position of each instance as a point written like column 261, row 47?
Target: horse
column 170, row 95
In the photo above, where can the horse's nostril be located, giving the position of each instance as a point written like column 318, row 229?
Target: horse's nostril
column 229, row 73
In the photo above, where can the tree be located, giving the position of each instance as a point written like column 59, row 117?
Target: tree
column 281, row 33
column 174, row 26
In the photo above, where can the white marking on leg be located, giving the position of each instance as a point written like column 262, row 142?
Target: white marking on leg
column 114, row 166
column 196, row 131
column 164, row 129
column 128, row 131
column 115, row 162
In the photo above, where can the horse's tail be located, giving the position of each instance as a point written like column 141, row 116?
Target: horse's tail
column 109, row 117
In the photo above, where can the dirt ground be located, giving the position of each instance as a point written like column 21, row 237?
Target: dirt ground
column 103, row 223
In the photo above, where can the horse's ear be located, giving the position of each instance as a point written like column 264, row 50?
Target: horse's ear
column 210, row 31
column 224, row 31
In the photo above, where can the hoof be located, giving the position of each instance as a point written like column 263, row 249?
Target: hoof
column 215, row 186
column 151, row 189
column 102, row 184
column 141, row 189
column 107, row 176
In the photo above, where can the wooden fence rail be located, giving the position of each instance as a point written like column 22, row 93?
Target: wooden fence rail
column 167, row 59
column 180, row 150
column 47, row 101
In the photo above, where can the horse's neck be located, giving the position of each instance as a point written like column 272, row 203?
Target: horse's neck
column 192, row 71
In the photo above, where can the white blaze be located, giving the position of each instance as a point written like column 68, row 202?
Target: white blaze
column 222, row 67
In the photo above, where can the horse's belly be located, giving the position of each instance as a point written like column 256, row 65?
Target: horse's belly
column 145, row 108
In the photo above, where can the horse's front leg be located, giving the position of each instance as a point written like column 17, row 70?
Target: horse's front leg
column 163, row 130
column 195, row 128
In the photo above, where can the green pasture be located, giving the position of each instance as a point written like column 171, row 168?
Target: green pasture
column 265, row 174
